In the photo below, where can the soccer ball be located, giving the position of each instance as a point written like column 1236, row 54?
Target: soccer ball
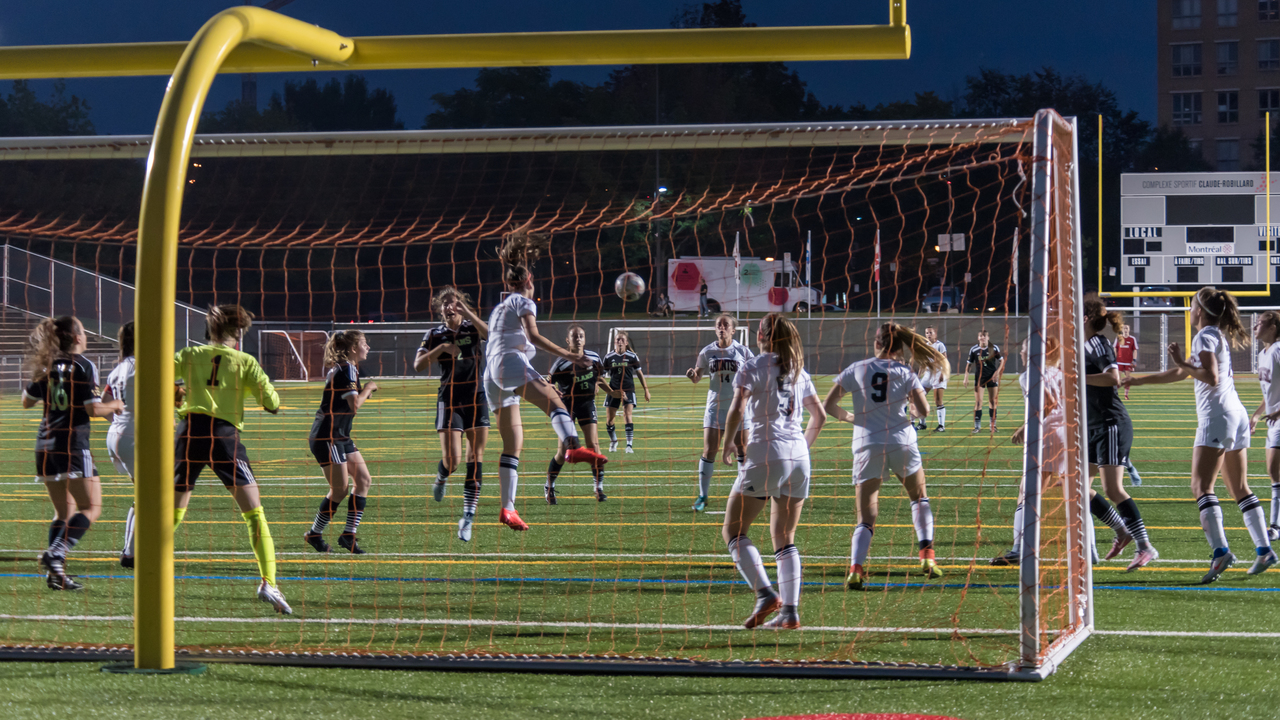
column 629, row 286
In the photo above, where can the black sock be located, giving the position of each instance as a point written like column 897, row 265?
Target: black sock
column 991, row 413
column 355, row 513
column 1128, row 510
column 631, row 432
column 77, row 526
column 325, row 514
column 553, row 471
column 977, row 418
column 471, row 489
column 613, row 434
column 442, row 472
column 57, row 531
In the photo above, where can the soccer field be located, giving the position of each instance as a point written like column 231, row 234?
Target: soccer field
column 639, row 574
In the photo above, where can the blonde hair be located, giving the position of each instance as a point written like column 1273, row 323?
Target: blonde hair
column 446, row 292
column 52, row 339
column 520, row 249
column 340, row 346
column 918, row 351
column 733, row 321
column 783, row 339
column 1097, row 317
column 1052, row 350
column 226, row 322
column 1221, row 308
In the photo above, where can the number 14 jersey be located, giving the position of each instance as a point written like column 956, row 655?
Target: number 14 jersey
column 880, row 390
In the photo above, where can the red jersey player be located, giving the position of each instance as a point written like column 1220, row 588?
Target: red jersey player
column 1126, row 352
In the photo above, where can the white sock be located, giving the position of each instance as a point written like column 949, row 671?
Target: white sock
column 747, row 559
column 942, row 416
column 562, row 423
column 1093, row 535
column 1211, row 521
column 705, row 468
column 861, row 544
column 1275, row 504
column 788, row 574
column 922, row 518
column 128, row 532
column 508, row 480
column 1255, row 520
column 1017, row 530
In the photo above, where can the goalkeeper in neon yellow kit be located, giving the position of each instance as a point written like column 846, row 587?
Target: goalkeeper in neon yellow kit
column 213, row 381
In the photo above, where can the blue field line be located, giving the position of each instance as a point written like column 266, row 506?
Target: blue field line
column 659, row 581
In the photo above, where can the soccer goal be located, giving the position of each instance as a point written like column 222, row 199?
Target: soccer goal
column 639, row 583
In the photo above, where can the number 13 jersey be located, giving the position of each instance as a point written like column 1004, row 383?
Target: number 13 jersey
column 880, row 391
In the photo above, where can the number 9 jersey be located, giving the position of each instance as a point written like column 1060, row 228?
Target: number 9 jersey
column 880, row 391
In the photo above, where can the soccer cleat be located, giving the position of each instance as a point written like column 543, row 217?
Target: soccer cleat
column 700, row 504
column 856, row 579
column 46, row 560
column 1263, row 562
column 940, row 428
column 437, row 491
column 271, row 595
column 464, row 529
column 549, row 492
column 317, row 542
column 511, row 519
column 1273, row 533
column 1218, row 566
column 59, row 581
column 977, row 429
column 788, row 619
column 1120, row 543
column 600, row 496
column 1010, row 558
column 1142, row 558
column 630, row 450
column 586, row 455
column 126, row 561
column 929, row 567
column 765, row 606
column 347, row 541
column 613, row 446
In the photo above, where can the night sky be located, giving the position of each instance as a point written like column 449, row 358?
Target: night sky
column 1112, row 42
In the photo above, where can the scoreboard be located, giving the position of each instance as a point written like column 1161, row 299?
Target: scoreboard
column 1198, row 228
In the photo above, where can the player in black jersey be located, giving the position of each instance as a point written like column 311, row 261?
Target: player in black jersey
column 461, row 407
column 331, row 442
column 987, row 364
column 623, row 367
column 66, row 383
column 577, row 386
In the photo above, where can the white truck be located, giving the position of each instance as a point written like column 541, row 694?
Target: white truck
column 768, row 285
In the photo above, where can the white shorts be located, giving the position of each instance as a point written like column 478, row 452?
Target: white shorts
column 715, row 416
column 785, row 476
column 877, row 461
column 933, row 382
column 1053, row 454
column 504, row 376
column 120, row 448
column 1226, row 432
column 1273, row 435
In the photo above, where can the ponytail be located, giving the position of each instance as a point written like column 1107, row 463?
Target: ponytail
column 521, row 249
column 1096, row 316
column 919, row 352
column 782, row 338
column 340, row 346
column 1272, row 318
column 126, row 340
column 52, row 339
column 1219, row 306
column 226, row 323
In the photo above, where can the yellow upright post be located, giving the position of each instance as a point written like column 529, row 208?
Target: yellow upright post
column 157, row 273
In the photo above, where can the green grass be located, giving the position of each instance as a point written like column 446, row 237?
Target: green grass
column 571, row 581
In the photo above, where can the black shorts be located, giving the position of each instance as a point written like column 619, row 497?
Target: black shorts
column 206, row 440
column 628, row 398
column 584, row 411
column 1110, row 444
column 63, row 464
column 986, row 381
column 333, row 452
column 462, row 416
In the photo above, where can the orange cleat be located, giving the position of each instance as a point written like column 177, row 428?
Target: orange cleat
column 586, row 455
column 511, row 519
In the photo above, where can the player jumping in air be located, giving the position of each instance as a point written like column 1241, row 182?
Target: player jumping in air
column 623, row 367
column 1222, row 435
column 120, row 434
column 508, row 376
column 331, row 442
column 214, row 379
column 720, row 361
column 461, row 408
column 66, row 383
column 937, row 382
column 770, row 394
column 1268, row 333
column 884, row 440
column 577, row 386
column 987, row 363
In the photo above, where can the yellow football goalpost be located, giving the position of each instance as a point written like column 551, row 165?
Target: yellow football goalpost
column 249, row 39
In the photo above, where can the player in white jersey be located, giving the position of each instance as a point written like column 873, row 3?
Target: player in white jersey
column 719, row 362
column 1268, row 332
column 508, row 376
column 1222, row 438
column 884, row 440
column 120, row 434
column 770, row 394
column 936, row 381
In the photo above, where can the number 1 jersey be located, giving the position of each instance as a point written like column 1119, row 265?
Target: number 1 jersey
column 880, row 391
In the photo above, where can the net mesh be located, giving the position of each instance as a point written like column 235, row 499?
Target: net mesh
column 317, row 234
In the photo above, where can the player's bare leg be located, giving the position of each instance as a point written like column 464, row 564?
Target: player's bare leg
column 706, row 466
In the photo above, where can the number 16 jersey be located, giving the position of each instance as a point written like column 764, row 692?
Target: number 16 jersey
column 880, row 391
